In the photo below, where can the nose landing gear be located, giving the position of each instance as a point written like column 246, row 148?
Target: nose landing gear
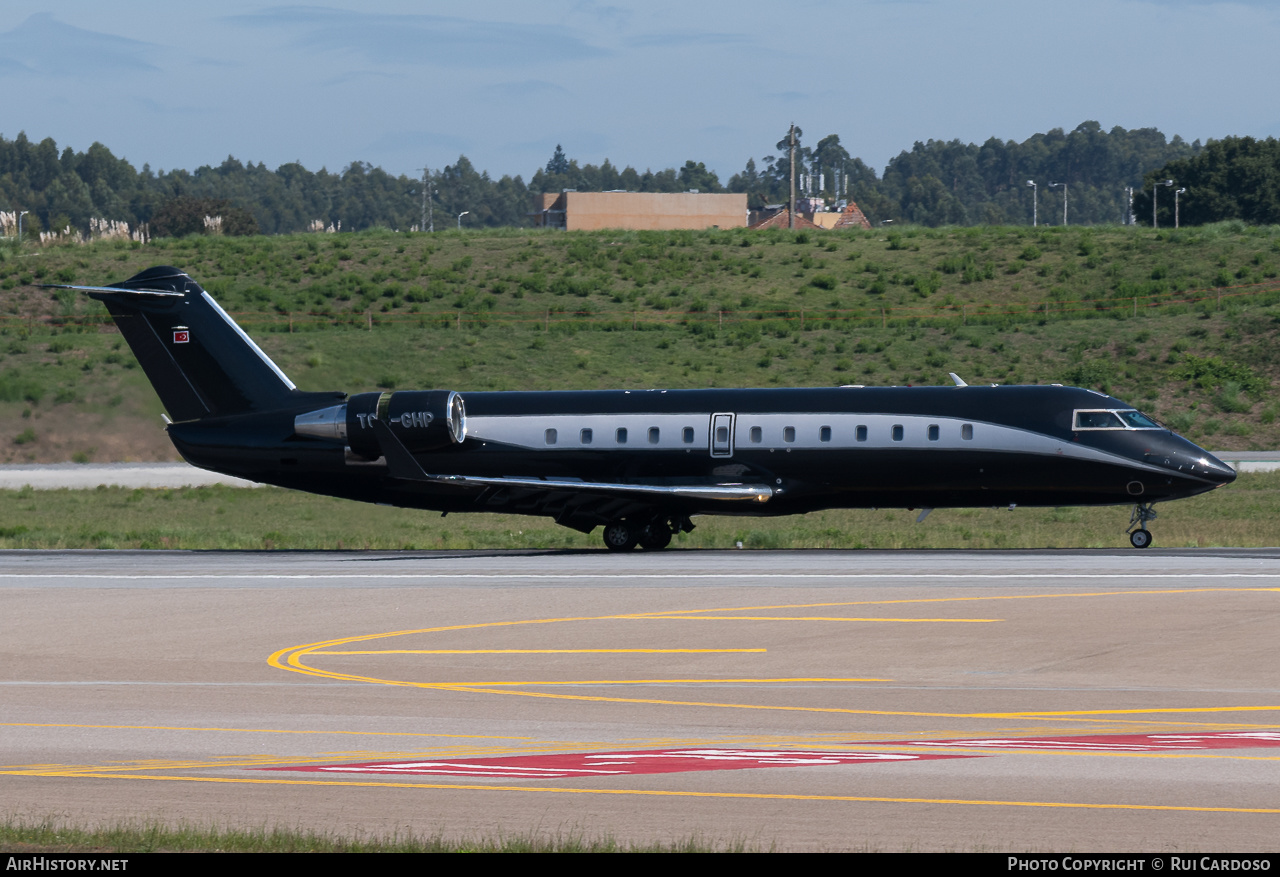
column 1139, row 535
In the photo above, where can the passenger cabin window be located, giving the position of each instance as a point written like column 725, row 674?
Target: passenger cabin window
column 934, row 432
column 824, row 434
column 551, row 436
column 653, row 435
column 621, row 435
column 688, row 435
column 788, row 433
column 757, row 435
column 722, row 435
column 585, row 436
column 966, row 432
column 897, row 432
column 860, row 433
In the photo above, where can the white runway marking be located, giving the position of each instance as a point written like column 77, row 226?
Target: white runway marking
column 664, row 576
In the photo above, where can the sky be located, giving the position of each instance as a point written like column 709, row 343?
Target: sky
column 403, row 84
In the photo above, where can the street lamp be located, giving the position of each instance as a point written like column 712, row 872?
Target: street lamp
column 20, row 215
column 1176, row 193
column 1155, row 223
column 1034, row 208
column 460, row 215
column 1064, row 199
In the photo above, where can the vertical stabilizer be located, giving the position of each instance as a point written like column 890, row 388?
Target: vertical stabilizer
column 199, row 361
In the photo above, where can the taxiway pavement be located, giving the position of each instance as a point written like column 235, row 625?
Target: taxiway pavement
column 1101, row 700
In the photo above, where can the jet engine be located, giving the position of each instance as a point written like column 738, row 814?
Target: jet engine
column 423, row 420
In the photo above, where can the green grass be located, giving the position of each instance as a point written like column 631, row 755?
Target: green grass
column 1243, row 514
column 1127, row 310
column 17, row 836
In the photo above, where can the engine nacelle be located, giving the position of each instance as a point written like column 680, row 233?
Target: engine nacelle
column 424, row 420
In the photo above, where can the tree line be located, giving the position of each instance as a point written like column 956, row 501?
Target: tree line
column 934, row 183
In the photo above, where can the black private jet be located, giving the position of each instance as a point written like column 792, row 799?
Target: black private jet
column 641, row 464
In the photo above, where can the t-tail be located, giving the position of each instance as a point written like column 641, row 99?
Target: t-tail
column 200, row 362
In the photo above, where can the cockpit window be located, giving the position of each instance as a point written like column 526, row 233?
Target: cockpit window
column 1137, row 420
column 1115, row 418
column 1098, row 420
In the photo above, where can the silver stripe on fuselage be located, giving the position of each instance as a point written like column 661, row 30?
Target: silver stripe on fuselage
column 529, row 431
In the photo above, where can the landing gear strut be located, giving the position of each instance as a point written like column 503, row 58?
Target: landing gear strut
column 1139, row 535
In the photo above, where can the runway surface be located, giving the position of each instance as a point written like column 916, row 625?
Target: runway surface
column 1042, row 701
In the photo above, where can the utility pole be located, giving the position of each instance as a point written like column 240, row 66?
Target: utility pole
column 428, row 206
column 1035, row 202
column 791, row 208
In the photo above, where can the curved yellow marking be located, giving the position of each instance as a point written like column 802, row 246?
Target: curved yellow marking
column 662, row 793
column 292, row 658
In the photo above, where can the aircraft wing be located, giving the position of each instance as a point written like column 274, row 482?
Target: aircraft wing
column 402, row 465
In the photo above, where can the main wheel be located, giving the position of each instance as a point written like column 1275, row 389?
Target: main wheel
column 1140, row 538
column 620, row 536
column 656, row 536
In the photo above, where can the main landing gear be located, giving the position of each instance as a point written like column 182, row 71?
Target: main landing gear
column 1139, row 535
column 653, row 535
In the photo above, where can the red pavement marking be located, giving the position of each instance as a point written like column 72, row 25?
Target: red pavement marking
column 596, row 764
column 599, row 764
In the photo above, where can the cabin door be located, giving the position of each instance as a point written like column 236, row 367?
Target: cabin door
column 722, row 435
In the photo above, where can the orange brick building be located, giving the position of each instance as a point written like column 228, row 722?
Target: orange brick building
column 579, row 211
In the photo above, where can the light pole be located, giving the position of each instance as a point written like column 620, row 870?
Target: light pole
column 20, row 215
column 1064, row 199
column 460, row 215
column 1176, row 193
column 1155, row 223
column 1034, row 207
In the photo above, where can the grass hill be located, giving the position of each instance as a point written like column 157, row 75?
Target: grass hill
column 1181, row 323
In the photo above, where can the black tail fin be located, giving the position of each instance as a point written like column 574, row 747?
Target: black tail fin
column 199, row 361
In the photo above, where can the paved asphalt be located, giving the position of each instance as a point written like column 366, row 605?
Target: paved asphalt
column 808, row 700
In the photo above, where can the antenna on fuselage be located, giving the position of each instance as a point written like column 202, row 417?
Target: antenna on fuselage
column 955, row 377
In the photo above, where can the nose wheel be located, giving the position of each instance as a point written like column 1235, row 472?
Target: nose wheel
column 1139, row 535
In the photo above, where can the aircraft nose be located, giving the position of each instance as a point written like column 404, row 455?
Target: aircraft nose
column 1204, row 464
column 1215, row 468
column 1176, row 453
